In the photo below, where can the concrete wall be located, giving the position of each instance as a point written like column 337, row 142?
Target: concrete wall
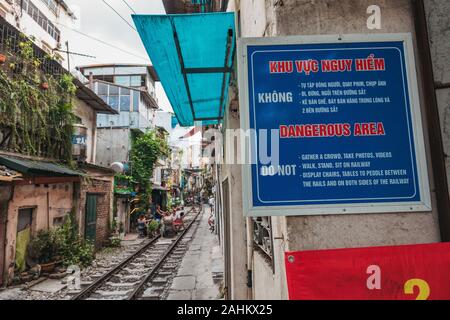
column 113, row 145
column 331, row 17
column 49, row 202
column 123, row 210
column 438, row 19
column 310, row 17
column 237, row 223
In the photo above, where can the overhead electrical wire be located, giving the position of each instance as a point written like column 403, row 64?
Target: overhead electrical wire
column 128, row 5
column 104, row 42
column 125, row 20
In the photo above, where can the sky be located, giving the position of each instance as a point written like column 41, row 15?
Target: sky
column 97, row 20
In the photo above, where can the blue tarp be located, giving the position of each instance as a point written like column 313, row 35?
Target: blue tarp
column 202, row 42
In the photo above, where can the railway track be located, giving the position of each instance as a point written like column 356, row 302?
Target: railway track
column 147, row 273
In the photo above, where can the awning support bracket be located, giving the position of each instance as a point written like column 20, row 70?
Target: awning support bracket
column 185, row 71
column 207, row 70
column 180, row 59
column 227, row 56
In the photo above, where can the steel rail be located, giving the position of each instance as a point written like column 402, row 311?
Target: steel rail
column 134, row 295
column 100, row 281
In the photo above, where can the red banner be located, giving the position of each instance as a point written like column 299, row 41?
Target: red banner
column 412, row 272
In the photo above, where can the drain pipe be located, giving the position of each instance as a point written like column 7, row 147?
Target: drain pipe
column 249, row 259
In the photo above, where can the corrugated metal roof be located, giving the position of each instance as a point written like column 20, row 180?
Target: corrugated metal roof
column 37, row 168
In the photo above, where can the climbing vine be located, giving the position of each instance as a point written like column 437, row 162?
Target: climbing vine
column 145, row 151
column 35, row 109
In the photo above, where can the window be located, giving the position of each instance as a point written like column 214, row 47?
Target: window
column 113, row 90
column 130, row 70
column 98, row 71
column 125, row 100
column 136, row 100
column 136, row 81
column 40, row 18
column 102, row 88
column 52, row 5
column 262, row 237
column 113, row 101
column 122, row 80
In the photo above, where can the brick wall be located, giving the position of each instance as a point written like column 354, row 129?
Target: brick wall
column 102, row 189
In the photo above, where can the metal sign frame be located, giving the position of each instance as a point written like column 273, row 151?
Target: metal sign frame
column 351, row 208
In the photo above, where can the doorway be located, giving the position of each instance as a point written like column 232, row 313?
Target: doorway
column 3, row 215
column 23, row 237
column 90, row 224
column 227, row 237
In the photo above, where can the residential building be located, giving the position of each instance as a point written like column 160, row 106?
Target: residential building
column 42, row 20
column 39, row 187
column 130, row 90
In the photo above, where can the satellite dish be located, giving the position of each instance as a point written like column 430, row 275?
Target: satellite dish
column 118, row 167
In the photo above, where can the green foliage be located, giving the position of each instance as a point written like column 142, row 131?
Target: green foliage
column 40, row 121
column 63, row 243
column 115, row 242
column 123, row 183
column 73, row 249
column 114, row 226
column 152, row 226
column 44, row 247
column 145, row 151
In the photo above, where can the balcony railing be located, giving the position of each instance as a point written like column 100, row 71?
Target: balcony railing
column 10, row 38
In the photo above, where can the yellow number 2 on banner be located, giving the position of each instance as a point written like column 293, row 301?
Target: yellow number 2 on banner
column 424, row 288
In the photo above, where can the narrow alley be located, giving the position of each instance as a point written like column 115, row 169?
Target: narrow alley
column 224, row 150
column 195, row 274
column 200, row 276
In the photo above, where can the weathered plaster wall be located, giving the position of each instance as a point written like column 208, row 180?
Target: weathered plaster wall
column 50, row 202
column 301, row 17
column 89, row 120
column 309, row 17
column 233, row 173
column 123, row 213
column 438, row 19
column 5, row 194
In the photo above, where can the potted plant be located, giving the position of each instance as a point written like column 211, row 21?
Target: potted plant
column 2, row 58
column 152, row 227
column 44, row 249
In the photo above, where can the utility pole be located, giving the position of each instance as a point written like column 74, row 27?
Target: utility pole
column 68, row 55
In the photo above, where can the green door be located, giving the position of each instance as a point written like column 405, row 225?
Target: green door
column 91, row 217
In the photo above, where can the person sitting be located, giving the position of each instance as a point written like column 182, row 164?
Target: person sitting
column 159, row 214
column 142, row 226
column 178, row 222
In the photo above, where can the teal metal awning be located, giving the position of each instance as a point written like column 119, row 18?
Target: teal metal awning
column 193, row 56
